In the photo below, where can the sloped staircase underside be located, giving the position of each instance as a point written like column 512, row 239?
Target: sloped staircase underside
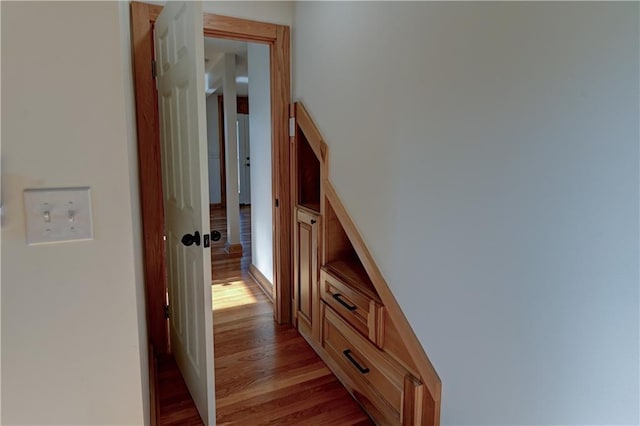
column 342, row 304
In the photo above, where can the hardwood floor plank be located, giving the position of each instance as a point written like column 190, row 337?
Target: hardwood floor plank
column 240, row 379
column 268, row 386
column 253, row 321
column 280, row 407
column 265, row 373
column 237, row 313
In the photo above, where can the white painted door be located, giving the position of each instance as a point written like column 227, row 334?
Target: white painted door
column 244, row 160
column 179, row 45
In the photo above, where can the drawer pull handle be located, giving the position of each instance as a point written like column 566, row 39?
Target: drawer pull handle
column 347, row 353
column 343, row 303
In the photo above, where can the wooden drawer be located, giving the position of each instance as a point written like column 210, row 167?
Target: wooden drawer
column 385, row 389
column 358, row 309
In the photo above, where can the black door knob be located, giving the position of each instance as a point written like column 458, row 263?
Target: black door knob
column 215, row 235
column 188, row 239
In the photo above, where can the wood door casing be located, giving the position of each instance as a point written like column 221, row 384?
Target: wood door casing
column 150, row 176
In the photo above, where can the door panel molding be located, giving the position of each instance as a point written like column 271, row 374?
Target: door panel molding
column 179, row 49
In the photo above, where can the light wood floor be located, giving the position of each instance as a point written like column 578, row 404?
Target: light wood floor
column 264, row 373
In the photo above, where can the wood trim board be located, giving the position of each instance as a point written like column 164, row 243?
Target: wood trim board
column 150, row 176
column 311, row 132
column 280, row 71
column 239, row 29
column 230, row 28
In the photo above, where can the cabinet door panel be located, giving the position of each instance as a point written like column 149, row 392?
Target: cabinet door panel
column 306, row 272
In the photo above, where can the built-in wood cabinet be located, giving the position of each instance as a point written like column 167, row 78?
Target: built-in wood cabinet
column 339, row 299
column 307, row 311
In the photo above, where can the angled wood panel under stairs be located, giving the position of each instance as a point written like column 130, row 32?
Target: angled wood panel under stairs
column 343, row 306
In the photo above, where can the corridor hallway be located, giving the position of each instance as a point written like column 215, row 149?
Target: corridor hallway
column 265, row 373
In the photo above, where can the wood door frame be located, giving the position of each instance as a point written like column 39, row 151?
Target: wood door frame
column 143, row 16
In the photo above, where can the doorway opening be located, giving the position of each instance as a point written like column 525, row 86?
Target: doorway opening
column 238, row 105
column 276, row 38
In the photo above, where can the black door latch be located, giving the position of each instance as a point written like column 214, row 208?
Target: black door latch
column 188, row 239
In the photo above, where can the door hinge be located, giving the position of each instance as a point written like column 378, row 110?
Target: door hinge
column 166, row 311
column 292, row 126
column 154, row 69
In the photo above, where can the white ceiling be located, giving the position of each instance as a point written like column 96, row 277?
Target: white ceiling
column 214, row 49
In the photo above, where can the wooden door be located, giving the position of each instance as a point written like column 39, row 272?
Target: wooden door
column 179, row 51
column 244, row 159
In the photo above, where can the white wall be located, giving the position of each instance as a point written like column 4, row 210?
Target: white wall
column 275, row 12
column 260, row 141
column 213, row 149
column 488, row 153
column 72, row 348
column 134, row 188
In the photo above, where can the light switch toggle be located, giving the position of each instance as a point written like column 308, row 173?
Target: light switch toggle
column 71, row 216
column 47, row 216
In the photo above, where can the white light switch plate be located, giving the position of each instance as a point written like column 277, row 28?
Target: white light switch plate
column 58, row 214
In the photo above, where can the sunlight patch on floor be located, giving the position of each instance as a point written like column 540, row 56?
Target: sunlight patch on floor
column 232, row 294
